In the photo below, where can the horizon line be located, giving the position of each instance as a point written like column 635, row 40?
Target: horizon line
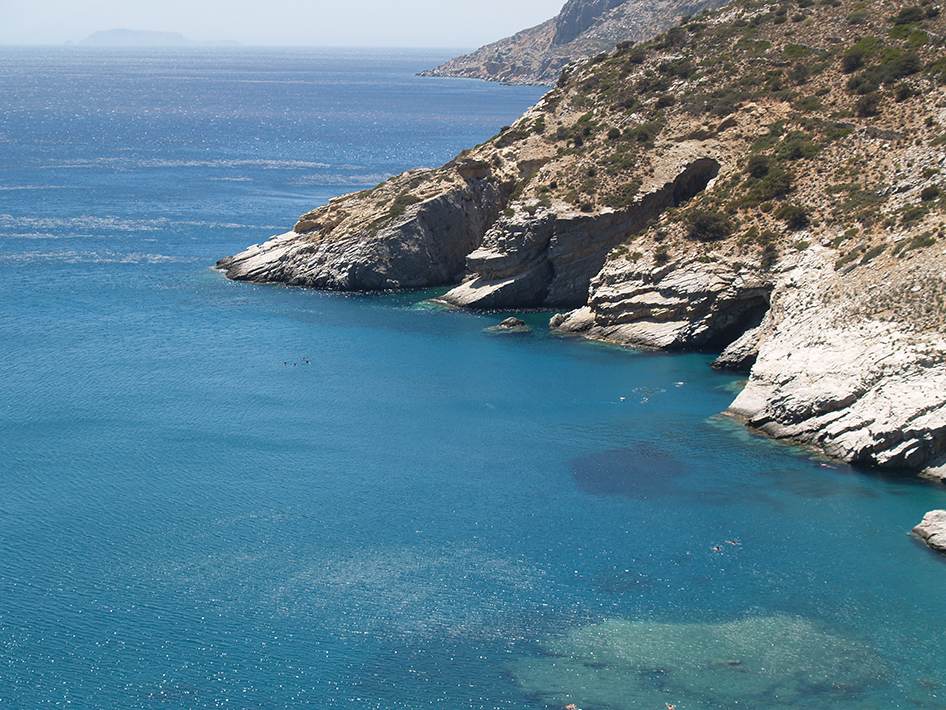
column 224, row 45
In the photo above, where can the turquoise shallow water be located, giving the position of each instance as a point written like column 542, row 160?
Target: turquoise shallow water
column 223, row 495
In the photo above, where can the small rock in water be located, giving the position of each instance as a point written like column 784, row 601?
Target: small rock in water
column 932, row 530
column 511, row 325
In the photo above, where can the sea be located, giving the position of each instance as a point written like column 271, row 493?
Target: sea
column 223, row 495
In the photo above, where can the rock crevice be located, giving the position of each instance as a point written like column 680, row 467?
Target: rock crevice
column 549, row 259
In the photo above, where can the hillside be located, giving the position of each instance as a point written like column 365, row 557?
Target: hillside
column 766, row 180
column 582, row 29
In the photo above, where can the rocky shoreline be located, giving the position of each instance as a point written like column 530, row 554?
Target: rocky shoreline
column 657, row 206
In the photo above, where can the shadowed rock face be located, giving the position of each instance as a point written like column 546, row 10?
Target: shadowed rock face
column 577, row 16
column 549, row 260
column 426, row 246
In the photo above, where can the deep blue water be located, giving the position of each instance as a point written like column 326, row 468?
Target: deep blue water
column 222, row 495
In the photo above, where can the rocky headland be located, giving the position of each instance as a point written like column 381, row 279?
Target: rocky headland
column 582, row 29
column 765, row 180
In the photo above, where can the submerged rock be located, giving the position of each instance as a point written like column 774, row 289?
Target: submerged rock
column 767, row 662
column 933, row 530
column 511, row 325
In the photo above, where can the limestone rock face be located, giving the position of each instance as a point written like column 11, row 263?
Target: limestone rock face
column 933, row 530
column 866, row 391
column 684, row 305
column 347, row 246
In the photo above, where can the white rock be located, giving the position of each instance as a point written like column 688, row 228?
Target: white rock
column 933, row 530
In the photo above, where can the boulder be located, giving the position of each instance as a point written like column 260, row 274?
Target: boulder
column 932, row 530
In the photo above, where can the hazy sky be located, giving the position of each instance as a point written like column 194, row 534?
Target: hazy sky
column 409, row 23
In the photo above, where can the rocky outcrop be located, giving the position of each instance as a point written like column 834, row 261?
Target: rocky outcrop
column 398, row 239
column 683, row 305
column 866, row 391
column 582, row 29
column 932, row 530
column 549, row 259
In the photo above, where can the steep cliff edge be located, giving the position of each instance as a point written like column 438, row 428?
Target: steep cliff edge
column 582, row 29
column 766, row 180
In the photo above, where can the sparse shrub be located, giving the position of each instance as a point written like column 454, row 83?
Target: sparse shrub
column 868, row 105
column 758, row 166
column 853, row 59
column 794, row 216
column 908, row 15
column 797, row 146
column 709, row 226
column 636, row 55
column 873, row 253
column 401, row 203
column 776, row 184
column 769, row 256
column 904, row 93
column 930, row 193
column 665, row 101
column 723, row 103
column 858, row 17
column 674, row 37
column 913, row 214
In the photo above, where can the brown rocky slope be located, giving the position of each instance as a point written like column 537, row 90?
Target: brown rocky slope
column 766, row 180
column 582, row 29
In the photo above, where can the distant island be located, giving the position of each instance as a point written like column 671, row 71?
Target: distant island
column 145, row 38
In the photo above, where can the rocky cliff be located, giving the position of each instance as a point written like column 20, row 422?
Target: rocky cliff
column 582, row 29
column 765, row 181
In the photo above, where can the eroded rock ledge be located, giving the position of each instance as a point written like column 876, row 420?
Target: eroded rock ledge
column 550, row 258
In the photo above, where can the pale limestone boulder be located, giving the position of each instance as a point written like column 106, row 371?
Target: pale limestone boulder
column 933, row 530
